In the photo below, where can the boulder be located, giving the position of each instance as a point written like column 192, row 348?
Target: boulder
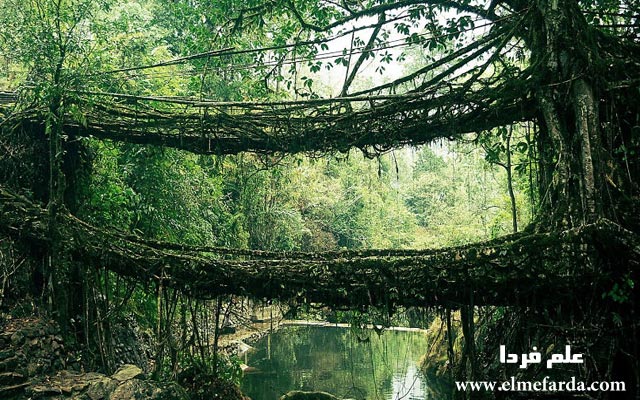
column 127, row 372
column 300, row 395
column 136, row 389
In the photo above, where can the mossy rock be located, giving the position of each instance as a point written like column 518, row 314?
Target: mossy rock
column 299, row 395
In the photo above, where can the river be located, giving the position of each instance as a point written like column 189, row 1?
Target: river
column 357, row 364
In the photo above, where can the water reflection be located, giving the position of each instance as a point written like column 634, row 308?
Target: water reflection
column 349, row 364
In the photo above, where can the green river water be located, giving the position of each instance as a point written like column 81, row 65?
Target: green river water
column 341, row 361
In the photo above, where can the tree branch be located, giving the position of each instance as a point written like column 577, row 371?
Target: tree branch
column 364, row 55
column 382, row 8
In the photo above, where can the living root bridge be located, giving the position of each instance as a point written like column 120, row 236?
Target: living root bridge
column 371, row 123
column 525, row 268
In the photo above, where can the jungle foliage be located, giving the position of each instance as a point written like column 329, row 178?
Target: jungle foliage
column 162, row 158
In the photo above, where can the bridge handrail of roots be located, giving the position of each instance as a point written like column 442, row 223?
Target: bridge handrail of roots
column 368, row 122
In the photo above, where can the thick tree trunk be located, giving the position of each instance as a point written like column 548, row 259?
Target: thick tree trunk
column 569, row 114
column 587, row 128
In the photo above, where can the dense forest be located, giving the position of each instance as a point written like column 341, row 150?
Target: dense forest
column 466, row 167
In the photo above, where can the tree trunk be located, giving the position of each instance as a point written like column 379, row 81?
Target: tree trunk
column 568, row 115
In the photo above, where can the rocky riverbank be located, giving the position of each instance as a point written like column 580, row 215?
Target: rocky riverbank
column 127, row 383
column 35, row 364
column 232, row 344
